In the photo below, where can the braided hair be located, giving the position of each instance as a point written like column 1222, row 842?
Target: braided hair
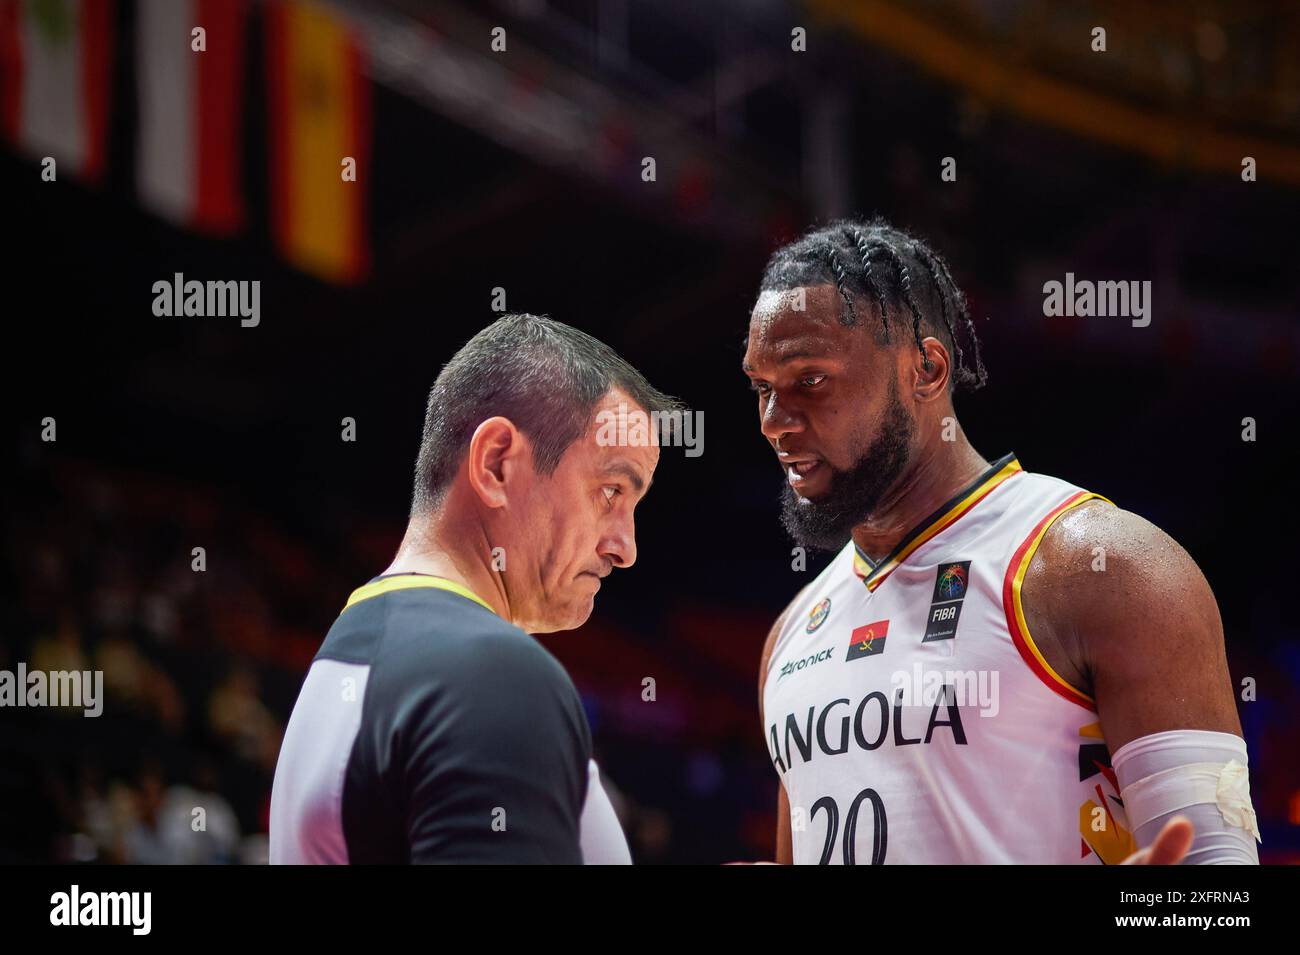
column 877, row 266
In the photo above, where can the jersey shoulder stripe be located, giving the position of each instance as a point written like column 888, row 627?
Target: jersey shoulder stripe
column 1013, row 604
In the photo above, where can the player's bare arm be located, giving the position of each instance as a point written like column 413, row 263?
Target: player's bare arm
column 1124, row 614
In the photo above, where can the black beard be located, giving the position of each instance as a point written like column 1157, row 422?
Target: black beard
column 827, row 522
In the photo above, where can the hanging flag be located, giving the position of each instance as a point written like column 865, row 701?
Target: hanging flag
column 188, row 156
column 319, row 117
column 55, row 64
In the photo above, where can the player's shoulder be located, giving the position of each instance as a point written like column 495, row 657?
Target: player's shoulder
column 1097, row 556
column 1098, row 528
column 1105, row 582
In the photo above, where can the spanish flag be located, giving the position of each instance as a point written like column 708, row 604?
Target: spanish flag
column 319, row 106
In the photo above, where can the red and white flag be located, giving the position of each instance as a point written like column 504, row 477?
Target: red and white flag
column 188, row 158
column 55, row 80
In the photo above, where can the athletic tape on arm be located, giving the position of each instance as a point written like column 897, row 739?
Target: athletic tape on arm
column 1198, row 774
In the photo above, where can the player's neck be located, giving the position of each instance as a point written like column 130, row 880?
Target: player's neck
column 938, row 474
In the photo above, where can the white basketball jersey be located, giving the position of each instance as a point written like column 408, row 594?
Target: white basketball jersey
column 910, row 716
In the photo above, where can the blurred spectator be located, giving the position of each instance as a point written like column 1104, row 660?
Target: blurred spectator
column 237, row 715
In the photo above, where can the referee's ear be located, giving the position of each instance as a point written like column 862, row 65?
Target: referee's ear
column 499, row 455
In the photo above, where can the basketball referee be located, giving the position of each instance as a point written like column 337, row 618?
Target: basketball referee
column 431, row 728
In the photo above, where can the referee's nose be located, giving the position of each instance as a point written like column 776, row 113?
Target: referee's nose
column 618, row 546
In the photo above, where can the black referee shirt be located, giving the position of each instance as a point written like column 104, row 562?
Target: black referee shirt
column 428, row 729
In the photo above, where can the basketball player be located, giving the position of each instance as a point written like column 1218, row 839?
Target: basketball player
column 431, row 727
column 997, row 666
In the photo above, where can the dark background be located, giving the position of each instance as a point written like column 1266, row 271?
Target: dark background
column 175, row 433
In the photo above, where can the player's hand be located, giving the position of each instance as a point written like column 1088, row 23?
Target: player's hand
column 1170, row 847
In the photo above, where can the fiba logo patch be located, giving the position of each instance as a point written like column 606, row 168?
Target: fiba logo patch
column 817, row 616
column 950, row 582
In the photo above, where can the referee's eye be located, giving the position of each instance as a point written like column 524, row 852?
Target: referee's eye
column 610, row 492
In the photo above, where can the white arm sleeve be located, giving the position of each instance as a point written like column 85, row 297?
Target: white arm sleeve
column 1194, row 773
column 601, row 835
